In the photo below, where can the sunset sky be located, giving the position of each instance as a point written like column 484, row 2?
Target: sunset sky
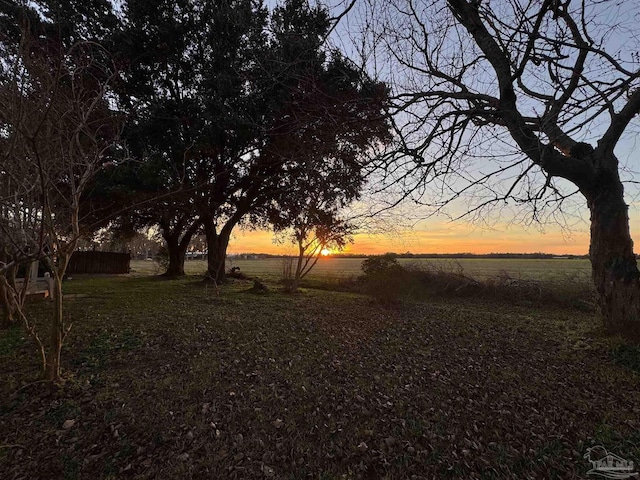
column 441, row 236
column 436, row 239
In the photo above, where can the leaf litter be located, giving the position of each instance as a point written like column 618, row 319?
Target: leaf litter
column 318, row 385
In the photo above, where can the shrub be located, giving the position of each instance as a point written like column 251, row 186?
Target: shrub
column 380, row 264
column 162, row 257
column 288, row 272
column 389, row 282
column 385, row 279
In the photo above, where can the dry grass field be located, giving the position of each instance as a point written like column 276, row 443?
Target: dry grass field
column 481, row 268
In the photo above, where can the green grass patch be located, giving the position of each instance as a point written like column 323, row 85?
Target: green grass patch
column 101, row 347
column 628, row 356
column 11, row 339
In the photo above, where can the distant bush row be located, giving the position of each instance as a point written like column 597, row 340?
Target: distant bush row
column 389, row 282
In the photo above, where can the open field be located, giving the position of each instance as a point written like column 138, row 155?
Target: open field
column 480, row 268
column 169, row 379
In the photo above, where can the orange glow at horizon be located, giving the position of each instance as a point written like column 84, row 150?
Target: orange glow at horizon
column 438, row 238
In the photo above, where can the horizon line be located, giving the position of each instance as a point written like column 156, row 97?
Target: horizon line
column 356, row 254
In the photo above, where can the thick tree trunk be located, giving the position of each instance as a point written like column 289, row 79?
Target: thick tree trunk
column 178, row 237
column 177, row 252
column 217, row 244
column 615, row 269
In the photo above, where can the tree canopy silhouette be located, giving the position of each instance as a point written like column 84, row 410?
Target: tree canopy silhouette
column 223, row 98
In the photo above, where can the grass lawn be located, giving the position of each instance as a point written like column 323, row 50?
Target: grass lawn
column 170, row 379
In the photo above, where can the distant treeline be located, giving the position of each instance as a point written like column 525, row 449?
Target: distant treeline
column 534, row 256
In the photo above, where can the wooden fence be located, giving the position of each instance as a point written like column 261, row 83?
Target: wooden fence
column 99, row 262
